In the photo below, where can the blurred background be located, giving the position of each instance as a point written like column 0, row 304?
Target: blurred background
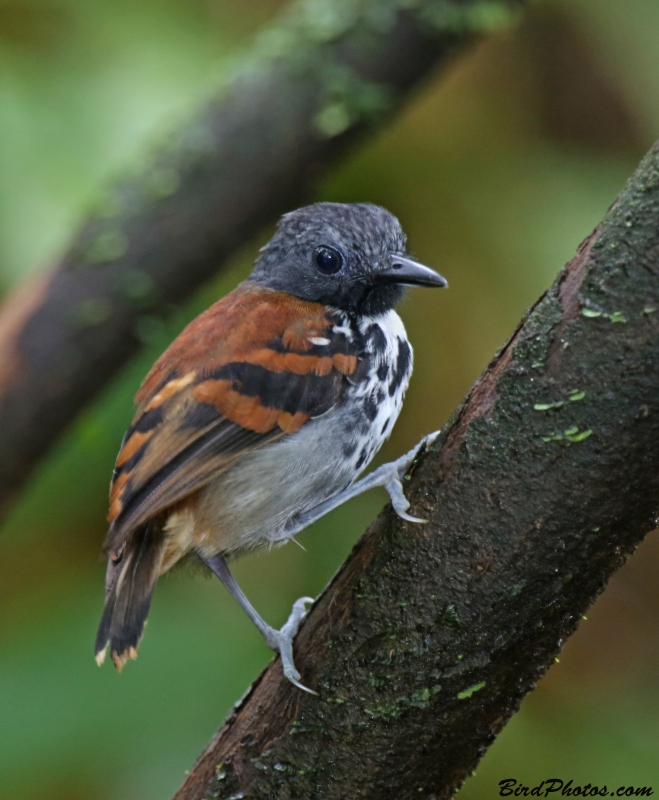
column 497, row 169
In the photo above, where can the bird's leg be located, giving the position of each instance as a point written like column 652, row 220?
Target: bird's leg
column 388, row 475
column 281, row 641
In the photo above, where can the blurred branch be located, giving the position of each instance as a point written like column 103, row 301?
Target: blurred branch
column 540, row 487
column 327, row 73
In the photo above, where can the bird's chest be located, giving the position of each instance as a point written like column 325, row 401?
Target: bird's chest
column 374, row 400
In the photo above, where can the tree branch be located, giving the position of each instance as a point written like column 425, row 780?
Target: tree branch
column 320, row 78
column 540, row 487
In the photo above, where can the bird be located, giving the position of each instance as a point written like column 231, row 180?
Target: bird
column 261, row 415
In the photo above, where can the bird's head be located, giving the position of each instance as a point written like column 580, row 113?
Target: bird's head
column 347, row 256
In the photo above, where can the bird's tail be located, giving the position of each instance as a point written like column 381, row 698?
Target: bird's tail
column 129, row 588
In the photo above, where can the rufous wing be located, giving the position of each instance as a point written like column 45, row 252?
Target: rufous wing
column 254, row 367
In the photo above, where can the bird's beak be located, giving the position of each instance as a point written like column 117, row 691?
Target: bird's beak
column 410, row 273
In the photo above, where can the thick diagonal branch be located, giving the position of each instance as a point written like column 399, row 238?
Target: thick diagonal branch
column 540, row 487
column 323, row 75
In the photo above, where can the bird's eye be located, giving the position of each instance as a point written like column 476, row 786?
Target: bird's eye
column 327, row 260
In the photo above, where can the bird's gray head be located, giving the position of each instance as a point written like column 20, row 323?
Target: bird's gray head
column 348, row 256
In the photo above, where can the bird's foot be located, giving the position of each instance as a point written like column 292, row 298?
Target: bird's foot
column 282, row 642
column 390, row 475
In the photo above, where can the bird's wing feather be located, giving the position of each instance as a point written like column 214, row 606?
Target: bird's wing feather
column 254, row 367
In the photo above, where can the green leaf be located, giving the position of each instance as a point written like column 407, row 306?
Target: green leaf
column 471, row 690
column 548, row 406
column 578, row 437
column 553, row 437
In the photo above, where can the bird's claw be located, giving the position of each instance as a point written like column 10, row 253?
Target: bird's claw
column 399, row 502
column 293, row 676
column 285, row 637
column 399, row 468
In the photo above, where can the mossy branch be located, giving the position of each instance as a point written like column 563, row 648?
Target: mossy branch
column 539, row 488
column 325, row 74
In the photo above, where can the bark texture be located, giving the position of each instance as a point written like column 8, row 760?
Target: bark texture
column 322, row 76
column 539, row 488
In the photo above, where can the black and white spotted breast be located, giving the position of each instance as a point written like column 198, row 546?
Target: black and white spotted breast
column 377, row 397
